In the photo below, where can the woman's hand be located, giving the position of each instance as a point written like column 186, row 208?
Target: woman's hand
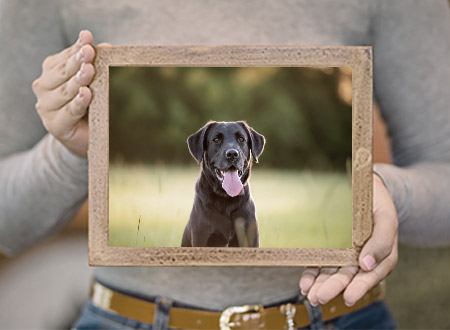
column 63, row 95
column 377, row 259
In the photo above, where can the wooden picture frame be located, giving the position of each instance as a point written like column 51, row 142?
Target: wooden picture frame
column 358, row 58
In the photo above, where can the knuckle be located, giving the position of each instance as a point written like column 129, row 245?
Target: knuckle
column 63, row 90
column 348, row 272
column 38, row 107
column 47, row 62
column 63, row 73
column 69, row 109
column 35, row 86
column 381, row 244
column 383, row 249
column 74, row 110
column 342, row 280
column 365, row 283
column 62, row 68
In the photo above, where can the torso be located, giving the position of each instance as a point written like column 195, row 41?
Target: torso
column 216, row 23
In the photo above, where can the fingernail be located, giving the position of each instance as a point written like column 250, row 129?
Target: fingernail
column 79, row 38
column 369, row 262
column 80, row 72
column 80, row 55
column 80, row 94
column 349, row 304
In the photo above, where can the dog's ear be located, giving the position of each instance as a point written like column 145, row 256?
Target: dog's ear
column 257, row 141
column 196, row 142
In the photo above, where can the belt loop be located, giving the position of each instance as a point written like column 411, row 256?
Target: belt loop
column 315, row 315
column 161, row 320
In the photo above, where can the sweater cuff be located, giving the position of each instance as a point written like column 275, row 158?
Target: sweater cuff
column 398, row 186
column 74, row 166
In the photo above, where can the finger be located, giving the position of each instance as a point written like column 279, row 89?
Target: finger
column 67, row 118
column 364, row 281
column 84, row 38
column 54, row 78
column 55, row 99
column 325, row 274
column 307, row 279
column 335, row 284
column 385, row 226
column 360, row 285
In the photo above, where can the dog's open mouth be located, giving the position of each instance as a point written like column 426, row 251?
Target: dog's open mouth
column 221, row 174
column 231, row 180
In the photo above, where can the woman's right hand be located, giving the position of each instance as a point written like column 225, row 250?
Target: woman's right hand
column 63, row 95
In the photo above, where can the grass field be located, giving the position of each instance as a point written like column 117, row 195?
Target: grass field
column 150, row 206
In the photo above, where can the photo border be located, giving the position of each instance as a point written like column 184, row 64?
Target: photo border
column 359, row 58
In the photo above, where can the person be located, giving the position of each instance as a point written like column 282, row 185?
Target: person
column 43, row 165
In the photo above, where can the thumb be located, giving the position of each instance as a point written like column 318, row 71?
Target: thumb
column 385, row 226
column 375, row 250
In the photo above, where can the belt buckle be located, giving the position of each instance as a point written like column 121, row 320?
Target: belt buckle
column 225, row 318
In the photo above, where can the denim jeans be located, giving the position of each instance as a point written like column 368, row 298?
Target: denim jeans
column 374, row 316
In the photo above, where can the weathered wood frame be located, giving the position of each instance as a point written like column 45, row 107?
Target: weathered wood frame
column 358, row 58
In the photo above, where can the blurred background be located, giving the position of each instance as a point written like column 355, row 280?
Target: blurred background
column 44, row 287
column 301, row 185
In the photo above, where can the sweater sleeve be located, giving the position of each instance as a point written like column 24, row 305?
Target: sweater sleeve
column 42, row 184
column 42, row 189
column 412, row 75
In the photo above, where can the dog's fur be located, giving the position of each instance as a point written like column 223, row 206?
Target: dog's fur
column 216, row 218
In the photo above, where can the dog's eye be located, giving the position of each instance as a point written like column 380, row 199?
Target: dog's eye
column 241, row 139
column 216, row 140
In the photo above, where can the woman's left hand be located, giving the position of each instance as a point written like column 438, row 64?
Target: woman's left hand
column 376, row 261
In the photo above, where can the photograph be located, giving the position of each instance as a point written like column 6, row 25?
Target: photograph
column 230, row 157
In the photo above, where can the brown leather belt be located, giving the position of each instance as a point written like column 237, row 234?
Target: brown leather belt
column 288, row 316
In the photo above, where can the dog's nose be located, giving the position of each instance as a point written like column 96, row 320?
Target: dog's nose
column 232, row 154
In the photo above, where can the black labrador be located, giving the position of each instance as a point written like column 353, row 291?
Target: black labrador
column 224, row 212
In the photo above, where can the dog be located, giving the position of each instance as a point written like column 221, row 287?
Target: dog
column 223, row 214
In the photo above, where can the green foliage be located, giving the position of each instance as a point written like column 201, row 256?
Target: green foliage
column 299, row 111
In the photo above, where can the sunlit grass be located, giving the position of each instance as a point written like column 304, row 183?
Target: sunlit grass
column 294, row 208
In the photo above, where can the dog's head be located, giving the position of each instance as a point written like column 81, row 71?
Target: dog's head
column 226, row 150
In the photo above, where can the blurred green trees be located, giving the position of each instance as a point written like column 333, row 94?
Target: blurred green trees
column 301, row 112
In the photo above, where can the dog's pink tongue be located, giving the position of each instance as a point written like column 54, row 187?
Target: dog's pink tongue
column 231, row 183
